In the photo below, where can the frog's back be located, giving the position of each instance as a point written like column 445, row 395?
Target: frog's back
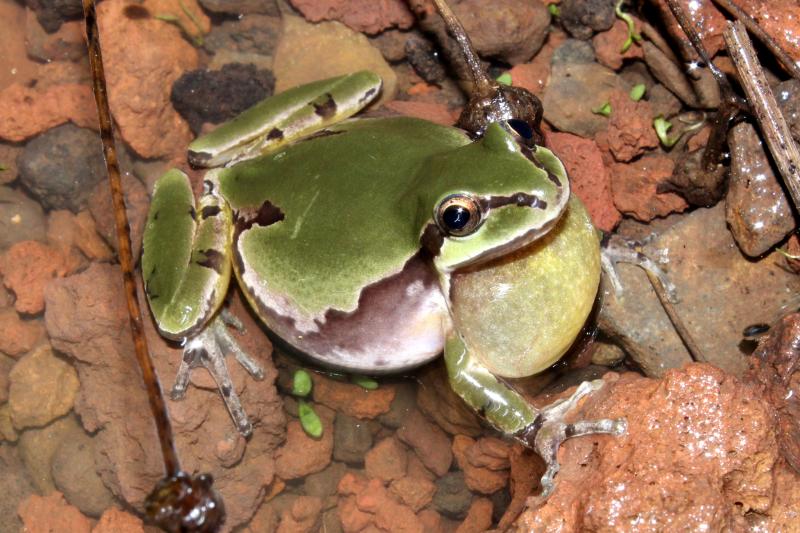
column 321, row 220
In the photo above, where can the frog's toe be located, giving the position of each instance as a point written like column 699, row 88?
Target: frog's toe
column 550, row 430
column 619, row 250
column 207, row 349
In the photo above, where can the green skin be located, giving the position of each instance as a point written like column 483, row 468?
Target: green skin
column 333, row 235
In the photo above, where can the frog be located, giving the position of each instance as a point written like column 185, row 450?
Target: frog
column 373, row 245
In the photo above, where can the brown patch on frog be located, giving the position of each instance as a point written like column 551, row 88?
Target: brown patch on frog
column 274, row 134
column 321, row 133
column 432, row 239
column 520, row 199
column 369, row 94
column 136, row 12
column 193, row 213
column 213, row 259
column 210, row 211
column 244, row 219
column 327, row 108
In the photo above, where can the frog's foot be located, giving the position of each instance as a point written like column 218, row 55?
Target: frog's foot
column 549, row 430
column 208, row 349
column 619, row 250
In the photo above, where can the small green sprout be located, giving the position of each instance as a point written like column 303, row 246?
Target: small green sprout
column 632, row 35
column 3, row 167
column 301, row 383
column 604, row 109
column 785, row 253
column 504, row 78
column 309, row 419
column 662, row 126
column 364, row 382
column 196, row 38
column 638, row 92
column 554, row 10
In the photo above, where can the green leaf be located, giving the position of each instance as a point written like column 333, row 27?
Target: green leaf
column 662, row 126
column 301, row 383
column 3, row 167
column 632, row 35
column 504, row 78
column 638, row 92
column 604, row 109
column 309, row 419
column 554, row 10
column 364, row 382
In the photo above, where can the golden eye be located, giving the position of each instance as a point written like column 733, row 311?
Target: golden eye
column 458, row 215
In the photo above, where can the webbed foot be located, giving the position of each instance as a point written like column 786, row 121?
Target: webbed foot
column 619, row 250
column 207, row 349
column 549, row 430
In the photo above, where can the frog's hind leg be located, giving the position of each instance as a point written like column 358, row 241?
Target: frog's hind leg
column 207, row 349
column 542, row 430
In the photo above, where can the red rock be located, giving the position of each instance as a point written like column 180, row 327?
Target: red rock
column 479, row 479
column 699, row 453
column 431, row 520
column 428, row 441
column 352, row 518
column 491, row 453
column 432, row 111
column 526, row 470
column 28, row 111
column 87, row 320
column 353, row 400
column 51, row 513
column 634, row 187
column 608, row 45
column 479, row 517
column 630, row 129
column 301, row 516
column 704, row 16
column 779, row 19
column 302, row 455
column 535, row 74
column 366, row 16
column 416, row 492
column 367, row 503
column 140, row 71
column 117, row 521
column 27, row 267
column 351, row 484
column 588, row 176
column 19, row 336
column 386, row 461
column 435, row 398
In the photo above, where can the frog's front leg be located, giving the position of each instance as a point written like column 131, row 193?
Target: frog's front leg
column 542, row 430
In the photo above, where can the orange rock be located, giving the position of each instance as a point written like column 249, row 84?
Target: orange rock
column 117, row 521
column 435, row 398
column 588, row 176
column 479, row 517
column 352, row 518
column 28, row 111
column 66, row 230
column 27, row 267
column 478, row 478
column 386, row 461
column 46, row 514
column 19, row 336
column 635, row 188
column 630, row 129
column 416, row 492
column 608, row 45
column 428, row 441
column 352, row 400
column 302, row 455
column 301, row 516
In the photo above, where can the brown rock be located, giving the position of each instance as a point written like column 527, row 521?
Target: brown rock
column 352, row 400
column 437, row 400
column 479, row 517
column 698, row 453
column 634, row 188
column 21, row 219
column 608, row 45
column 479, row 478
column 8, row 160
column 416, row 492
column 363, row 16
column 42, row 388
column 27, row 267
column 432, row 111
column 756, row 207
column 386, row 461
column 7, row 431
column 140, row 71
column 15, row 66
column 630, row 127
column 66, row 44
column 28, row 111
column 74, row 473
column 37, row 448
column 87, row 321
column 117, row 521
column 526, row 470
column 302, row 516
column 428, row 441
column 301, row 454
column 367, row 503
column 66, row 230
column 14, row 486
column 43, row 514
column 535, row 74
column 588, row 176
column 101, row 209
column 19, row 336
column 6, row 363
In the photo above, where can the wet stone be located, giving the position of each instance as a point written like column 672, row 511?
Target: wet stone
column 75, row 474
column 218, row 95
column 253, row 34
column 756, row 207
column 425, row 59
column 787, row 94
column 404, row 402
column 21, row 219
column 352, row 439
column 52, row 13
column 582, row 18
column 571, row 52
column 452, row 496
column 37, row 447
column 60, row 167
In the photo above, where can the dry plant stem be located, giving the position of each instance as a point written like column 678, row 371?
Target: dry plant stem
column 773, row 126
column 654, row 36
column 753, row 27
column 688, row 341
column 694, row 38
column 156, row 398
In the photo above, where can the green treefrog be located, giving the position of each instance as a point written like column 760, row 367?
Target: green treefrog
column 374, row 245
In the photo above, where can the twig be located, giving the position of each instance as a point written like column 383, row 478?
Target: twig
column 762, row 102
column 694, row 350
column 753, row 27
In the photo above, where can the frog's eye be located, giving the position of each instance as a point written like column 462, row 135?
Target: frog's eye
column 458, row 215
column 521, row 128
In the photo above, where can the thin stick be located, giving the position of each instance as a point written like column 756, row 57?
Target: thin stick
column 762, row 102
column 753, row 27
column 154, row 394
column 694, row 349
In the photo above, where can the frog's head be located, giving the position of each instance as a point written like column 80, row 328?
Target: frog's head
column 488, row 198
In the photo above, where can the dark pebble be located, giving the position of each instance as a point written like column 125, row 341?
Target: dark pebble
column 52, row 13
column 452, row 496
column 583, row 18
